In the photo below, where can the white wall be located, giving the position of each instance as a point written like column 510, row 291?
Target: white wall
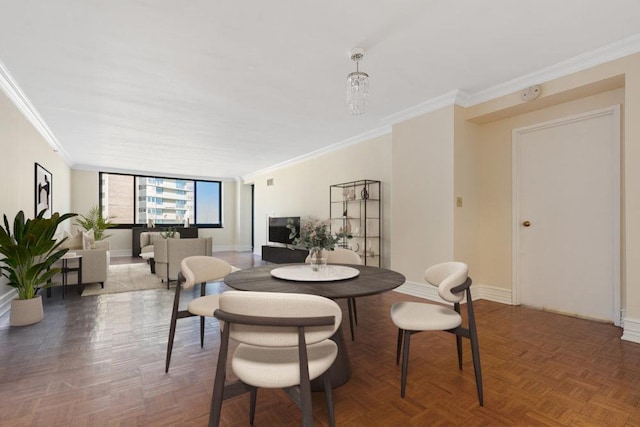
column 423, row 178
column 21, row 146
column 303, row 189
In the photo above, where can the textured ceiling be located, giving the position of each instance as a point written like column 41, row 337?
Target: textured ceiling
column 226, row 88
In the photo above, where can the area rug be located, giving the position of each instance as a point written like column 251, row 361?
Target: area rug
column 125, row 278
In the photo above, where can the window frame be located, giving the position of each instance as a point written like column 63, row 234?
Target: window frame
column 135, row 201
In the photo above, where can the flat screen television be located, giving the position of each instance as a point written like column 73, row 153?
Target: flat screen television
column 279, row 232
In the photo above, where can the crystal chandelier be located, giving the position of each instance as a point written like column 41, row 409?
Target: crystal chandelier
column 357, row 85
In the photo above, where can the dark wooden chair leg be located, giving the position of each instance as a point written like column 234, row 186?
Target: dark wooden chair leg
column 172, row 329
column 201, row 331
column 355, row 309
column 328, row 397
column 253, row 395
column 306, row 406
column 405, row 362
column 459, row 347
column 351, row 324
column 203, row 292
column 399, row 347
column 218, row 383
column 475, row 350
column 456, row 307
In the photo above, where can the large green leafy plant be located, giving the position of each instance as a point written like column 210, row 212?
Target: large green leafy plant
column 30, row 251
column 94, row 220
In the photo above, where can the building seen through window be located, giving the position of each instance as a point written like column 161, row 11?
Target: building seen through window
column 141, row 200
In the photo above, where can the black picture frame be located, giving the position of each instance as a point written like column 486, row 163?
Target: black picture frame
column 43, row 191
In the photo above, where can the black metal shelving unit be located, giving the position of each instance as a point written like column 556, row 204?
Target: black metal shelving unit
column 355, row 207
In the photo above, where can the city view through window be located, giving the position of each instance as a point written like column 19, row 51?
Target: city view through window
column 141, row 200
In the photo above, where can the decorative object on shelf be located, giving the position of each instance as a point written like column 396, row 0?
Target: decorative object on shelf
column 352, row 194
column 357, row 85
column 29, row 254
column 94, row 220
column 364, row 193
column 43, row 191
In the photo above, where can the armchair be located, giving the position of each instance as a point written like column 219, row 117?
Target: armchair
column 169, row 253
column 95, row 265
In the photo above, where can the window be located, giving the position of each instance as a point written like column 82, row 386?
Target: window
column 132, row 200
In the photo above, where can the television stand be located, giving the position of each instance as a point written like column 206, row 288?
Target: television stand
column 283, row 255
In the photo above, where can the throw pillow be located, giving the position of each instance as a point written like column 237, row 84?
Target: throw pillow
column 73, row 241
column 88, row 240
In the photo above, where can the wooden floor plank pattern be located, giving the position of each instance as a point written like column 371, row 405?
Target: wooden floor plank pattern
column 100, row 361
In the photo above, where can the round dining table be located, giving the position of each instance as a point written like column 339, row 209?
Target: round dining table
column 368, row 281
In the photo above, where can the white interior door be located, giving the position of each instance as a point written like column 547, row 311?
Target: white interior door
column 566, row 215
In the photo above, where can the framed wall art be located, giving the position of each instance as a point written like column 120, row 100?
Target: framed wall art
column 43, row 191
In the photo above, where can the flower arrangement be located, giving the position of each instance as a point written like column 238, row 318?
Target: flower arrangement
column 315, row 233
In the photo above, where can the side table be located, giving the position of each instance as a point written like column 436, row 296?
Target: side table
column 66, row 270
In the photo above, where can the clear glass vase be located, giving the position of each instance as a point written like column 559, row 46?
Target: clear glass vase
column 318, row 258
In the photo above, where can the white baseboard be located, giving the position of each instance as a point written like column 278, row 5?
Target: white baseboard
column 631, row 330
column 120, row 253
column 224, row 248
column 492, row 293
column 428, row 292
column 5, row 301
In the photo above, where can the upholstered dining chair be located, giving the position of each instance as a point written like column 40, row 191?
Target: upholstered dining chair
column 283, row 342
column 345, row 256
column 453, row 283
column 196, row 269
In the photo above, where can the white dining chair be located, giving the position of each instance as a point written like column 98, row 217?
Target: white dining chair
column 196, row 269
column 283, row 342
column 453, row 283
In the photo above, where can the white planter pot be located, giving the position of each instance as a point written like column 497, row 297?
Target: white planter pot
column 26, row 311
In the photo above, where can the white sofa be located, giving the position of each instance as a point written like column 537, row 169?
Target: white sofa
column 169, row 253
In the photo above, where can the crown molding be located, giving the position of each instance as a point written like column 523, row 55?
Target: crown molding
column 590, row 59
column 444, row 100
column 581, row 62
column 10, row 87
column 384, row 130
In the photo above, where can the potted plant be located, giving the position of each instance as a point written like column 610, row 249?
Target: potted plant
column 94, row 220
column 315, row 235
column 29, row 253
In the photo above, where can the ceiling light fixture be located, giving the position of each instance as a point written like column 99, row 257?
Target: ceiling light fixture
column 357, row 85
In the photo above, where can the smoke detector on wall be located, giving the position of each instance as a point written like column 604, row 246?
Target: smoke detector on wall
column 530, row 93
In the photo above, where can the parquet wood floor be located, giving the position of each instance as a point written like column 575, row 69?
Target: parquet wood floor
column 99, row 361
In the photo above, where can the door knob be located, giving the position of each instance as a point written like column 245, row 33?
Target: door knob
column 526, row 223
